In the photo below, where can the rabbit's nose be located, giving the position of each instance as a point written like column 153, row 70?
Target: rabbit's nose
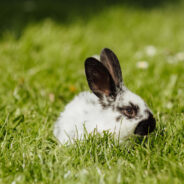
column 146, row 126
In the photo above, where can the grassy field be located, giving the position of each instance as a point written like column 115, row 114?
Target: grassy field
column 42, row 53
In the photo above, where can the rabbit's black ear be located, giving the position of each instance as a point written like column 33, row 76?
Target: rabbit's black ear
column 99, row 78
column 110, row 61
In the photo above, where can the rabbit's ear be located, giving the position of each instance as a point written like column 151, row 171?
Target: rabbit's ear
column 110, row 61
column 99, row 78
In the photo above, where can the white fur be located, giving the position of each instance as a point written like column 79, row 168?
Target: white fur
column 86, row 111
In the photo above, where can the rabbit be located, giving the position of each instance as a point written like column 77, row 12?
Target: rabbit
column 111, row 107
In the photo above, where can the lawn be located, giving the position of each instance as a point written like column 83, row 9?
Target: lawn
column 43, row 47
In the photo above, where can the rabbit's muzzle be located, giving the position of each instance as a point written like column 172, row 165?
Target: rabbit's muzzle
column 146, row 126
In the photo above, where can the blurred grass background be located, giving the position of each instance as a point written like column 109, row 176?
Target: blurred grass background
column 43, row 46
column 16, row 15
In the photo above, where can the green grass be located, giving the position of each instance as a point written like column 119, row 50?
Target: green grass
column 41, row 70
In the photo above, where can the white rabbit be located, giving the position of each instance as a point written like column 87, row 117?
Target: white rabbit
column 110, row 107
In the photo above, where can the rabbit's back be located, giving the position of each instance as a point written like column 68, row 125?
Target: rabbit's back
column 75, row 114
column 83, row 111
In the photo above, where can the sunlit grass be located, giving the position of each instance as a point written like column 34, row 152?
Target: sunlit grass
column 42, row 70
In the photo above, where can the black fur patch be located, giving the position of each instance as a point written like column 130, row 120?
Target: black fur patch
column 136, row 107
column 146, row 126
column 118, row 118
column 107, row 102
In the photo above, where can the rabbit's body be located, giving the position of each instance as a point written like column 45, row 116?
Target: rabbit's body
column 110, row 107
column 86, row 112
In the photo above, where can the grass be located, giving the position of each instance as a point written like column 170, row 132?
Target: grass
column 41, row 70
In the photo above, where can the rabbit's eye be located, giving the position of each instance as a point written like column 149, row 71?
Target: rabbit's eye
column 129, row 112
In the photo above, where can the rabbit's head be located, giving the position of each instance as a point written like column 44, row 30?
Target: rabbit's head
column 105, row 80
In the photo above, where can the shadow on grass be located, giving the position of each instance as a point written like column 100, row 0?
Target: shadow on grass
column 15, row 15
